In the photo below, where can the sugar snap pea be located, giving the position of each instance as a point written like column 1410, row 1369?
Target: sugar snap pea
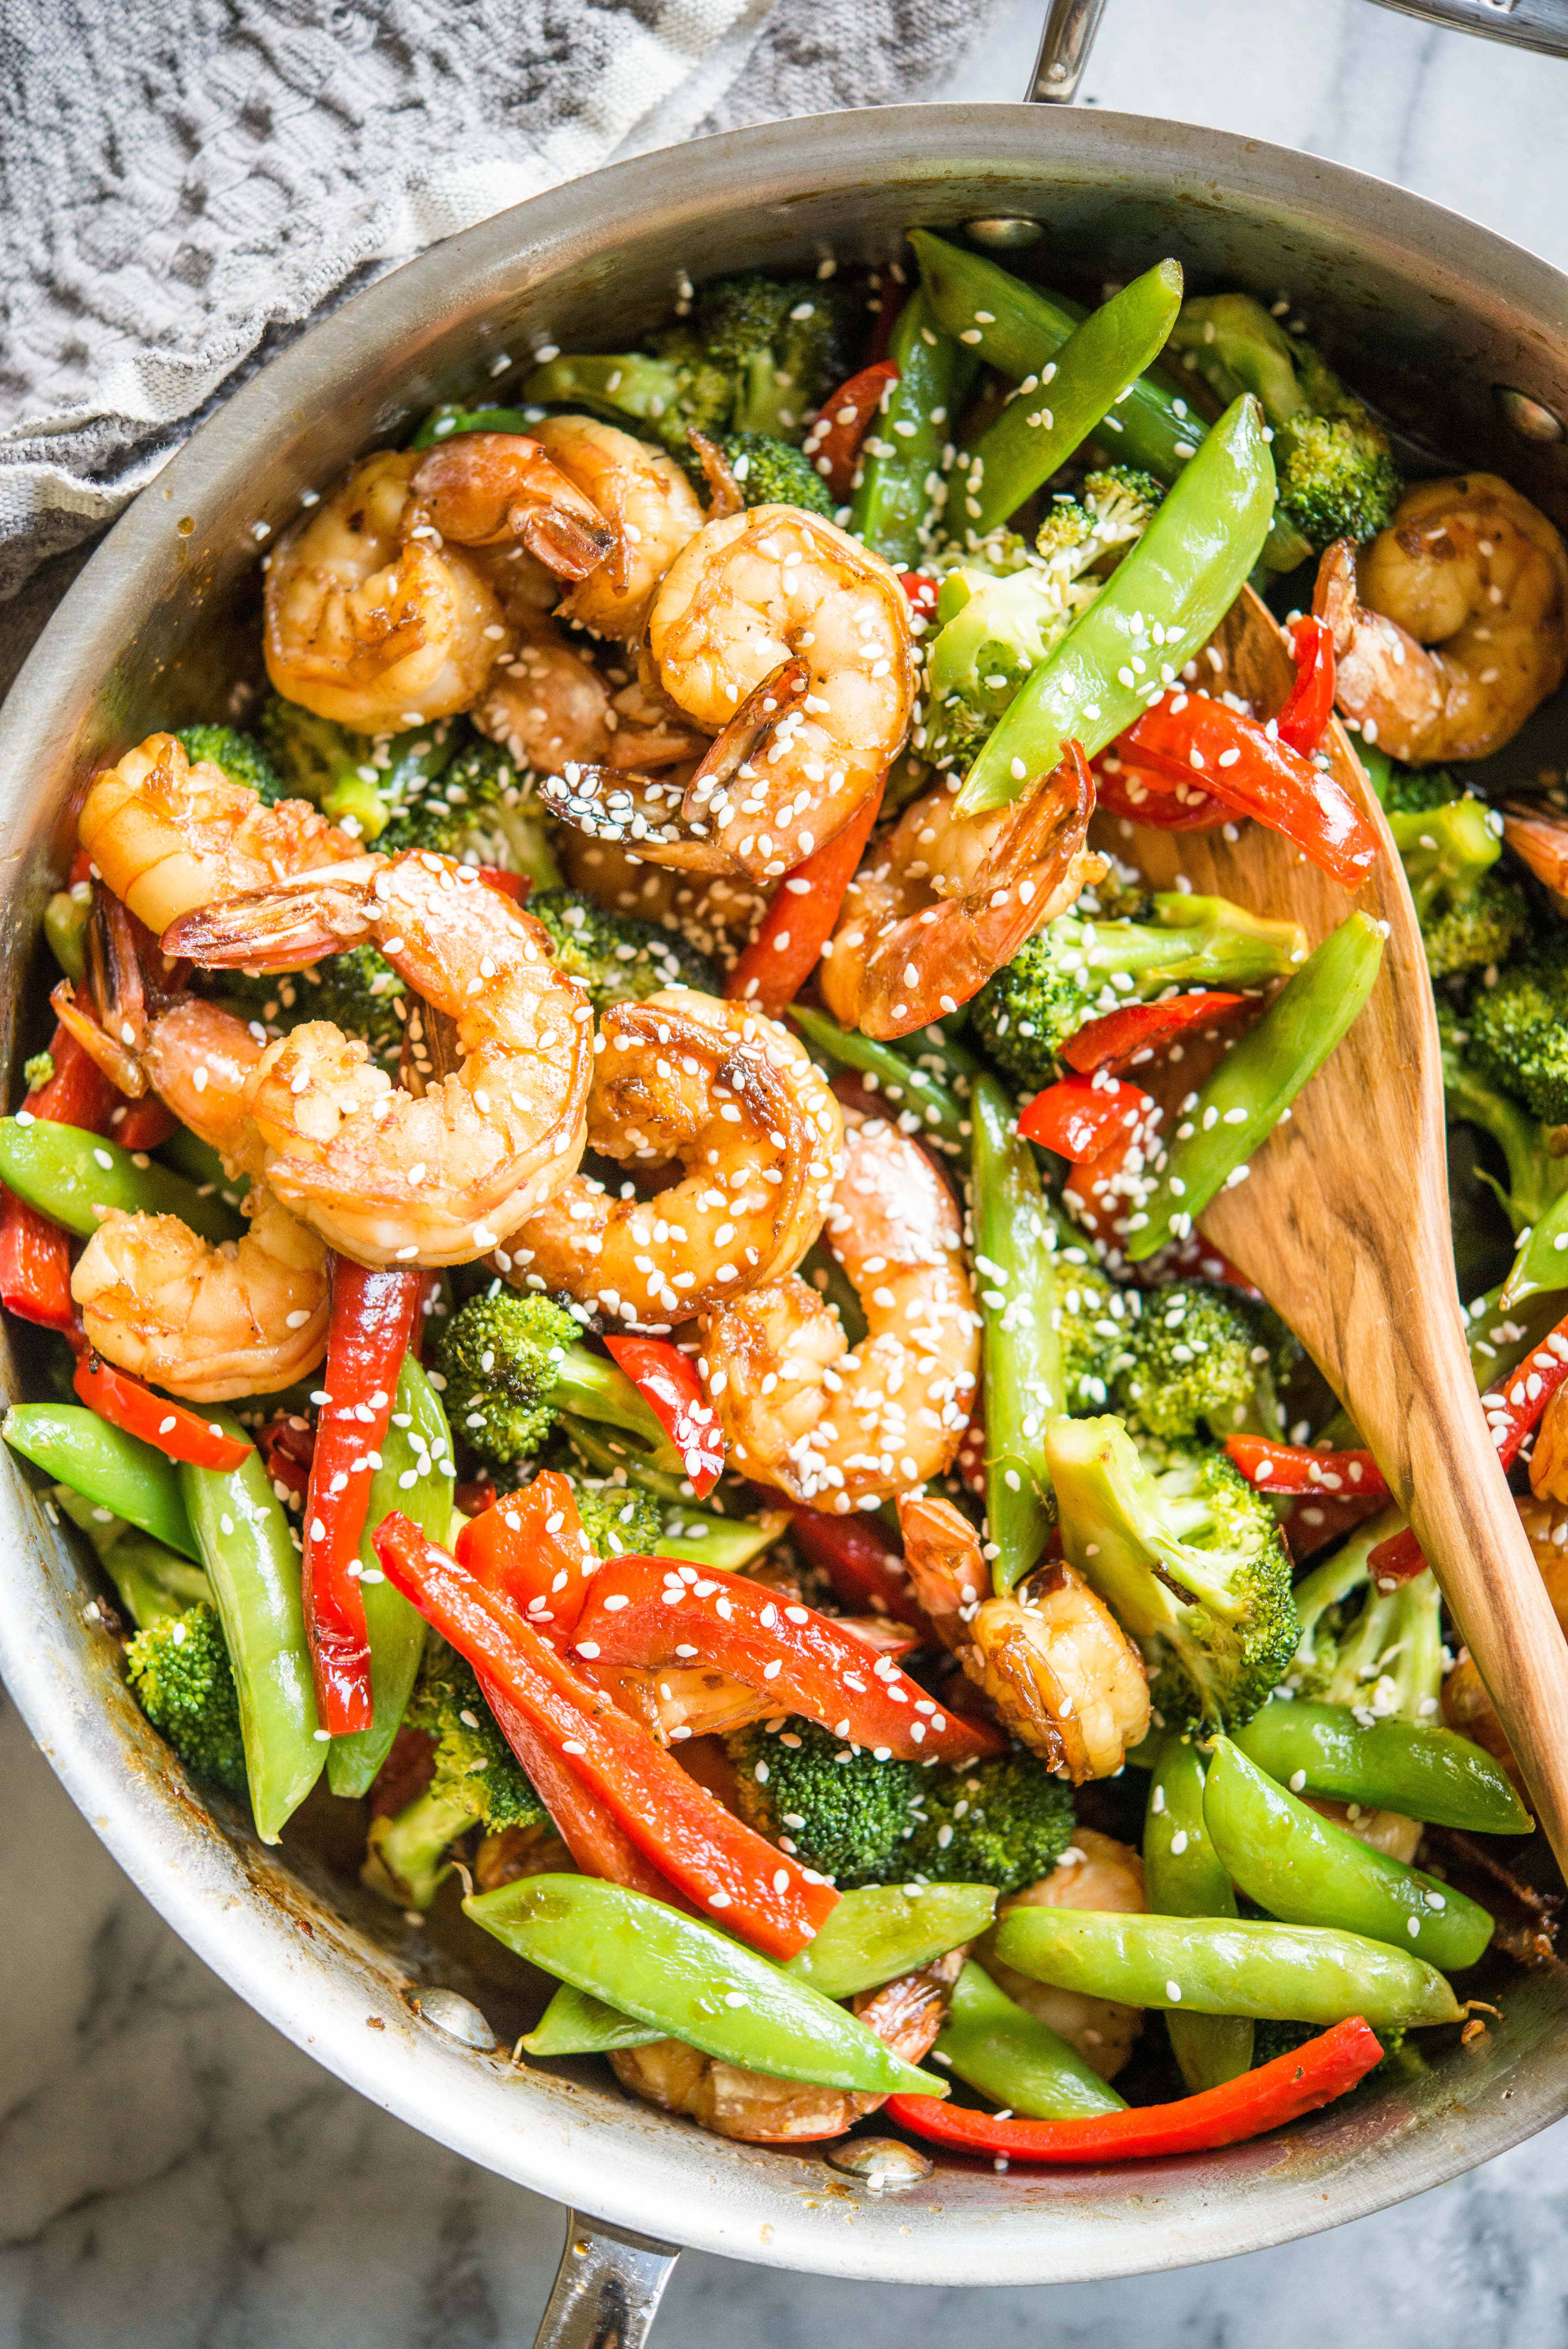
column 110, row 1469
column 995, row 2045
column 76, row 1178
column 1183, row 1876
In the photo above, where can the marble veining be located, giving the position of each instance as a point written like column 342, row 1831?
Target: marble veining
column 175, row 2176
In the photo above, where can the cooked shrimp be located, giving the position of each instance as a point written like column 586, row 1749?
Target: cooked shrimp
column 1451, row 625
column 643, row 499
column 167, row 836
column 743, row 1108
column 376, row 616
column 384, row 1177
column 207, row 1322
column 790, row 642
column 758, row 2109
column 943, row 900
column 835, row 1428
column 715, row 913
column 548, row 706
column 1096, row 1872
column 1063, row 1675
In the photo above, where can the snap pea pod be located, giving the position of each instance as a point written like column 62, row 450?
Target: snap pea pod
column 1307, row 1871
column 76, row 1178
column 1542, row 1263
column 1020, row 1344
column 254, row 1567
column 442, row 422
column 65, row 927
column 997, row 2046
column 1181, row 577
column 1246, row 1095
column 110, row 1469
column 1209, row 1965
column 900, row 459
column 189, row 1155
column 415, row 1476
column 729, row 1543
column 1183, row 1878
column 908, row 1090
column 873, row 1936
column 1430, row 1773
column 692, row 1983
column 154, row 1582
column 1041, row 427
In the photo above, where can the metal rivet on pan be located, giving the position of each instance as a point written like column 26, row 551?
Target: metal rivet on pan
column 458, row 2016
column 1530, row 417
column 1006, row 233
column 882, row 2164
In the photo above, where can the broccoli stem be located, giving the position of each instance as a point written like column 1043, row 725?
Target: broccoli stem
column 1014, row 1250
column 606, row 1456
column 409, row 1850
column 616, row 384
column 586, row 1386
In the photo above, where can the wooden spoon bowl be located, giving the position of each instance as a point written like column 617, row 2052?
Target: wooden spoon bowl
column 1344, row 1226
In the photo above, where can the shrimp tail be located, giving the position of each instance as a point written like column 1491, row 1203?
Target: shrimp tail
column 488, row 487
column 284, row 927
column 724, row 495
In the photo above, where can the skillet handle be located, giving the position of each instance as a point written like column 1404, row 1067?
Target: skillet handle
column 1540, row 25
column 1065, row 43
column 607, row 2288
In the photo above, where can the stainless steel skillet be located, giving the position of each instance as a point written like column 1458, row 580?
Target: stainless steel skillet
column 157, row 629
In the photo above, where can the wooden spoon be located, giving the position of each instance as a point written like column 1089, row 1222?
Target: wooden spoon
column 1344, row 1226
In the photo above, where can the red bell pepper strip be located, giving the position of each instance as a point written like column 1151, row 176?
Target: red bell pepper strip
column 141, row 1125
column 1081, row 1119
column 287, row 1445
column 35, row 1254
column 842, row 422
column 644, row 1611
column 668, row 1383
column 586, row 1827
column 372, row 1321
column 922, row 593
column 721, row 1866
column 1147, row 795
column 800, row 918
column 531, row 1549
column 1296, row 1468
column 1124, row 1038
column 892, row 295
column 1398, row 1560
column 1292, row 2084
column 1235, row 758
column 865, row 1569
column 515, row 885
column 173, row 1427
column 1310, row 706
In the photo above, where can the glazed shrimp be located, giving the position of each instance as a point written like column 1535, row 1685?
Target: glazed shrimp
column 835, row 1428
column 944, row 900
column 743, row 1108
column 207, row 1322
column 382, row 1176
column 643, row 499
column 1063, row 1675
column 790, row 642
column 167, row 836
column 1095, row 1872
column 376, row 616
column 1451, row 625
column 547, row 705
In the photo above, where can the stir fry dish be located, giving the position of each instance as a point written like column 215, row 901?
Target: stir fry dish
column 609, row 1246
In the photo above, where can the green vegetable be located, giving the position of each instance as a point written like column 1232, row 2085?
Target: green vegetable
column 898, row 497
column 1379, row 1649
column 770, row 473
column 1535, row 1193
column 1428, row 1773
column 511, row 1365
column 478, row 1780
column 442, row 422
column 181, row 1677
column 472, row 805
column 1183, row 1876
column 1094, row 1319
column 1448, row 842
column 997, row 2046
column 247, row 1549
column 619, row 959
column 1215, row 1965
column 1307, row 1871
column 64, row 928
column 240, row 757
column 416, row 1477
column 860, row 1821
column 153, row 1583
column 1260, row 1077
column 1518, row 1029
column 1074, row 971
column 1187, row 1557
column 76, row 1178
column 728, row 1544
column 917, row 1102
column 1020, row 1345
column 1201, row 1358
column 678, row 1973
column 1182, row 575
column 110, row 1469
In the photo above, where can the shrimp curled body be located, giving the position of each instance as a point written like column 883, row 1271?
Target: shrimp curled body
column 742, row 1107
column 1451, row 625
column 834, row 1428
column 382, row 1176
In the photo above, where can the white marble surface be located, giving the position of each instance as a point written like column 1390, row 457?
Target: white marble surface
column 174, row 2176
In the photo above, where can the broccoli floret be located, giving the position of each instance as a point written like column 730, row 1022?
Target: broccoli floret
column 678, row 390
column 1448, row 842
column 618, row 957
column 438, row 786
column 992, row 632
column 1073, row 971
column 357, row 990
column 1202, row 1359
column 512, row 1366
column 1095, row 1319
column 240, row 757
column 618, row 1519
column 478, row 1780
column 317, row 759
column 1379, row 1651
column 182, row 1680
column 783, row 343
column 1518, row 1029
column 771, row 472
column 1189, row 1557
column 1336, row 476
column 1113, row 507
column 860, row 1821
column 1533, row 1150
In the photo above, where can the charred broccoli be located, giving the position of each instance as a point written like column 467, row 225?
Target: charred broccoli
column 182, row 1680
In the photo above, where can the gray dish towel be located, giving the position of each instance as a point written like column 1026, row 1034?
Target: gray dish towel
column 184, row 182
